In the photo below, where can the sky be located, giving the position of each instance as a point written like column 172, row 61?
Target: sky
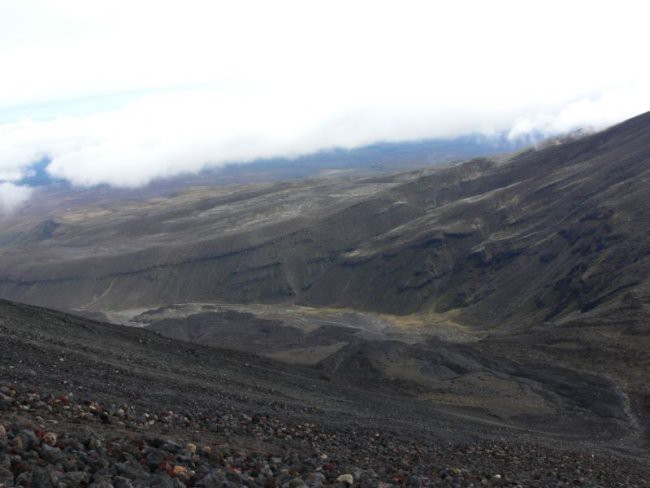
column 124, row 92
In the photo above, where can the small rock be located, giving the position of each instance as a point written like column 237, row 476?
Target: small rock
column 6, row 477
column 161, row 480
column 320, row 477
column 122, row 482
column 50, row 438
column 17, row 445
column 51, row 454
column 182, row 473
column 75, row 478
column 29, row 438
column 348, row 479
column 131, row 470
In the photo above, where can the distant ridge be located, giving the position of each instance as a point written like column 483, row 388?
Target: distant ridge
column 379, row 157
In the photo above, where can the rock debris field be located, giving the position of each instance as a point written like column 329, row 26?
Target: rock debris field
column 63, row 441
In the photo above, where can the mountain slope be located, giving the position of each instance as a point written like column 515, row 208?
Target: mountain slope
column 494, row 298
column 75, row 391
column 564, row 229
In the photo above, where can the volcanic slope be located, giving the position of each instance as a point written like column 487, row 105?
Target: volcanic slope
column 564, row 229
column 84, row 403
column 541, row 259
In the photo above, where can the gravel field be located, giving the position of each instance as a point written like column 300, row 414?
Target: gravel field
column 90, row 404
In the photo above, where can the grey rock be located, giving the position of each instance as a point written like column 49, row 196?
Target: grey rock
column 51, row 454
column 297, row 483
column 6, row 477
column 122, row 482
column 132, row 471
column 161, row 480
column 74, row 479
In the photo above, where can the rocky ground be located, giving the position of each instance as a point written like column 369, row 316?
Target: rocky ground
column 89, row 404
column 63, row 441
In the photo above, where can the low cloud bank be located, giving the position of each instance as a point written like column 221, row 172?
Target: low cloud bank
column 12, row 196
column 163, row 135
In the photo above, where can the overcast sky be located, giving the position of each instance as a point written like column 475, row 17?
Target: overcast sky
column 122, row 92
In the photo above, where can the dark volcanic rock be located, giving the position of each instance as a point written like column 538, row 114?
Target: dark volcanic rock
column 223, row 416
column 359, row 458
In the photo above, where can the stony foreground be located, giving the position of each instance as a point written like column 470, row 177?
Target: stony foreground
column 49, row 440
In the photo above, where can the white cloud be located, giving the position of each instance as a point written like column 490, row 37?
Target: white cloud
column 204, row 82
column 594, row 111
column 12, row 196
